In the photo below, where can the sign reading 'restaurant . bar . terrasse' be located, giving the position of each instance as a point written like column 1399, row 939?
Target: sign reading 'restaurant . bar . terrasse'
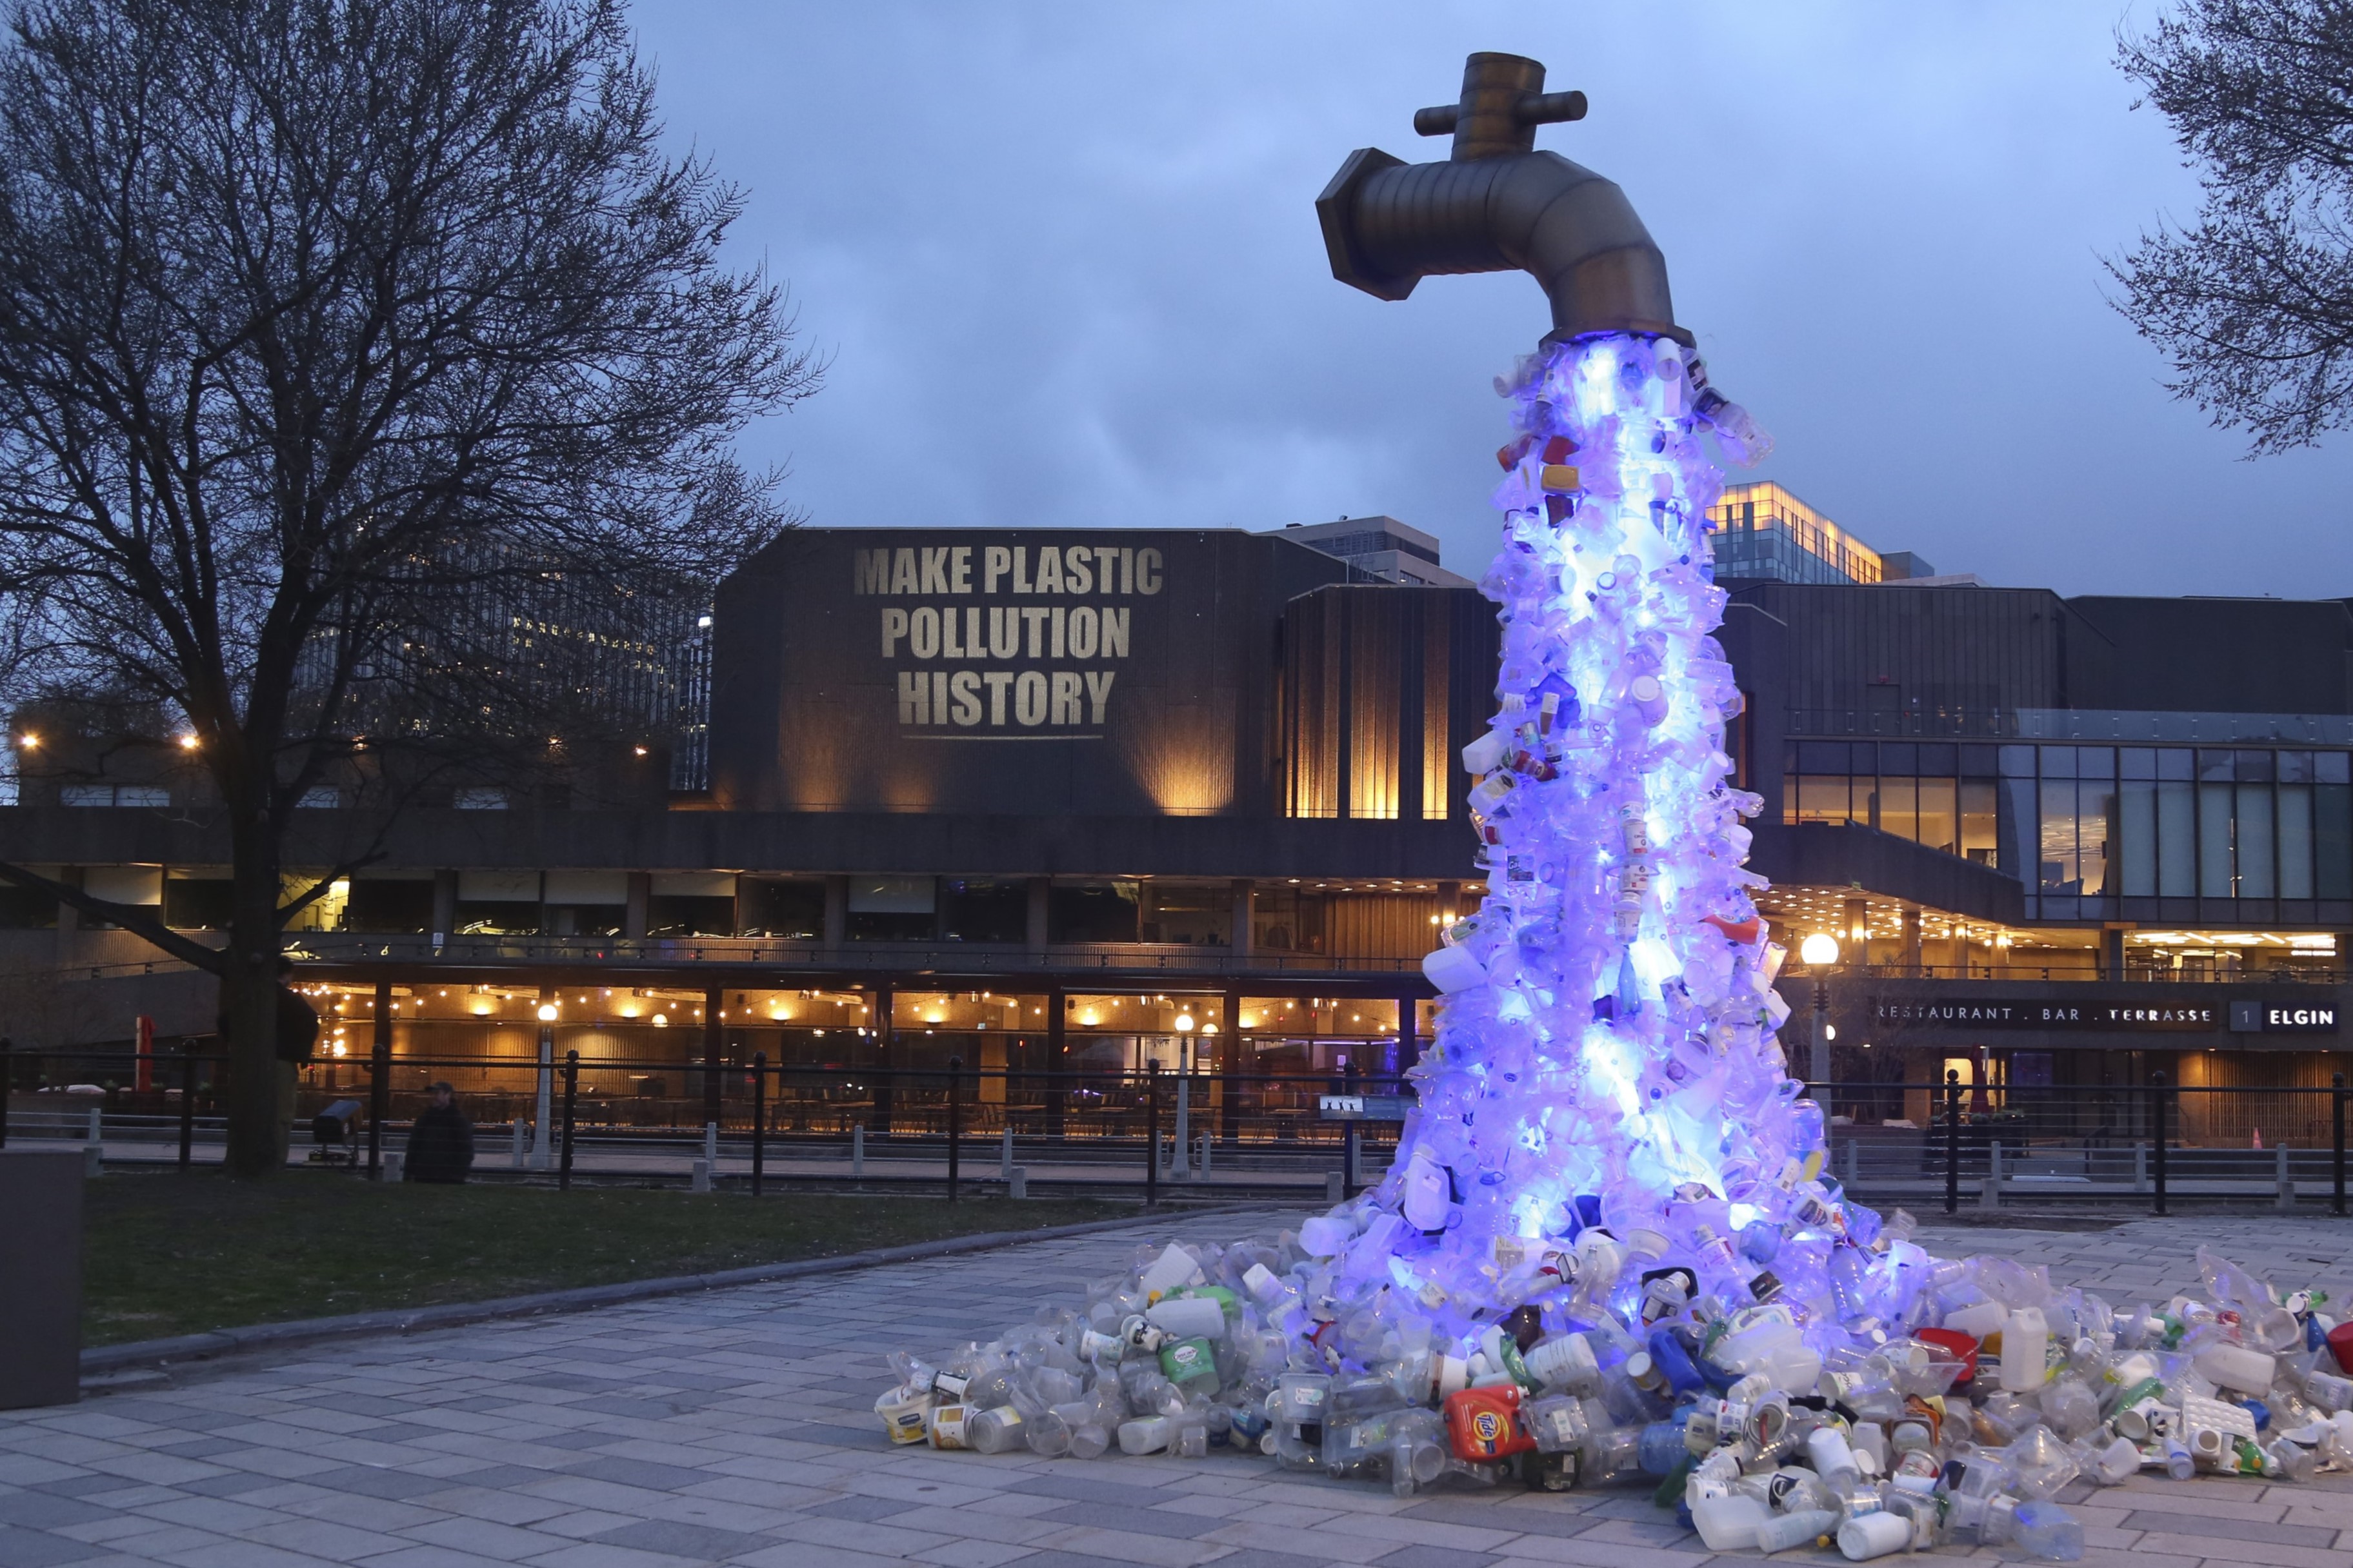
column 1047, row 667
column 2015, row 1015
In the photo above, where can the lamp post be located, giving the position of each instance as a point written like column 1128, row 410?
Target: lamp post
column 540, row 1106
column 1820, row 953
column 1181, row 1167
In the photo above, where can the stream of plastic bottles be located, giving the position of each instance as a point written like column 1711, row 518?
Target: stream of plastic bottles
column 1607, row 1253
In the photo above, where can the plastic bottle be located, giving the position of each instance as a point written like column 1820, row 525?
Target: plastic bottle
column 1869, row 1535
column 994, row 1431
column 2043, row 1528
column 1149, row 1435
column 1802, row 1528
column 1831, row 1458
column 2236, row 1366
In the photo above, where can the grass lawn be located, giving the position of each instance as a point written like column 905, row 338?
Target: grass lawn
column 173, row 1255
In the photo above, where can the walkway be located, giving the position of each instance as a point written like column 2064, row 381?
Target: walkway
column 735, row 1427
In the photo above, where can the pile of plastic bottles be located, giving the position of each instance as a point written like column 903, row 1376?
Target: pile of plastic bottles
column 1606, row 1253
column 1766, row 1426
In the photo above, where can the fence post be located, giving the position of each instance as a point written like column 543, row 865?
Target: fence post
column 1348, row 1139
column 759, row 1116
column 2157, row 1098
column 520, row 1155
column 571, row 1095
column 1952, row 1142
column 379, row 1076
column 2140, row 1165
column 955, row 1119
column 1005, row 1152
column 858, row 1151
column 2282, row 1179
column 188, row 1111
column 2336, row 1142
column 1151, row 1132
column 8, row 1083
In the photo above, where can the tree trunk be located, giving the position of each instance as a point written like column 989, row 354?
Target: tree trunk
column 256, row 1118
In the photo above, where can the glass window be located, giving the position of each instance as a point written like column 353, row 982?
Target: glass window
column 2136, row 828
column 2058, row 762
column 2021, row 841
column 2177, row 841
column 1898, row 757
column 1937, row 757
column 1938, row 826
column 2216, row 767
column 388, row 906
column 1823, row 757
column 1093, row 911
column 792, row 910
column 2255, row 852
column 2254, row 767
column 2332, row 767
column 2174, row 762
column 2214, row 880
column 2136, row 763
column 1200, row 913
column 2095, row 761
column 2295, row 840
column 2295, row 767
column 2061, row 871
column 1822, row 797
column 1980, row 761
column 1899, row 807
column 2018, row 762
column 974, row 909
column 193, row 903
column 2332, row 839
column 1977, row 819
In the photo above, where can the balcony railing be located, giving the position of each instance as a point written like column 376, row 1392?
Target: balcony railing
column 1985, row 724
column 2133, row 974
column 962, row 958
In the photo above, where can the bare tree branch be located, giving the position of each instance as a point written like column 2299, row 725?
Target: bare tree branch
column 2254, row 303
column 367, row 380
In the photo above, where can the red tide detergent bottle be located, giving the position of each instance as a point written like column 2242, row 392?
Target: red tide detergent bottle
column 1484, row 1423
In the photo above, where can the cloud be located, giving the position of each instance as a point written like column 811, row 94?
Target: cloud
column 1066, row 258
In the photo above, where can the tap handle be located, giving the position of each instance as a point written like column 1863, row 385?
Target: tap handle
column 1534, row 108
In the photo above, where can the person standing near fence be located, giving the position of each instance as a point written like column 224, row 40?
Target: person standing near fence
column 441, row 1143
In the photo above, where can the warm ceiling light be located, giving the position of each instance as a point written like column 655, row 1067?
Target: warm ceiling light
column 662, row 1020
column 547, row 1012
column 188, row 742
column 640, row 749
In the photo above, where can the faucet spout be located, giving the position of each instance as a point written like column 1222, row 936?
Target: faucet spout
column 1499, row 206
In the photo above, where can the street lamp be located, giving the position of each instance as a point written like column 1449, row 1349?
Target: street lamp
column 1820, row 953
column 544, row 1090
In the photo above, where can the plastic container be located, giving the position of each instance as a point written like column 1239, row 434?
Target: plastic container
column 2235, row 1366
column 902, row 1411
column 1869, row 1535
column 1565, row 1364
column 1483, row 1423
column 2025, row 1350
column 1832, row 1458
column 1188, row 1317
column 1729, row 1523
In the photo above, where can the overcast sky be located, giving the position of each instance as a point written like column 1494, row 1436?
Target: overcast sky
column 1065, row 260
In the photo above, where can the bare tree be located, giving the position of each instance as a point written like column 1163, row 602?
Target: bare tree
column 323, row 323
column 2254, row 303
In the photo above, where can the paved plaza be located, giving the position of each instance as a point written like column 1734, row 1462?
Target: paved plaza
column 735, row 1426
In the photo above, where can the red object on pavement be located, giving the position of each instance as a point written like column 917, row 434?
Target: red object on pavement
column 2340, row 1345
column 1963, row 1346
column 1484, row 1423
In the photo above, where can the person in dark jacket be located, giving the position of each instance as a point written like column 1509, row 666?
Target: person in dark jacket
column 441, row 1143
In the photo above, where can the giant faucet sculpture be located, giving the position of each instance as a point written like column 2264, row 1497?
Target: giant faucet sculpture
column 1606, row 1059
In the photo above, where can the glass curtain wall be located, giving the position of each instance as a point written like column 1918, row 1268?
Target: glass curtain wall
column 2084, row 827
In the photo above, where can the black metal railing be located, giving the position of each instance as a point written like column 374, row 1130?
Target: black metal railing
column 2149, row 1141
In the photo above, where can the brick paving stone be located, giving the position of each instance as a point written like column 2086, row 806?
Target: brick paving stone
column 735, row 1427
